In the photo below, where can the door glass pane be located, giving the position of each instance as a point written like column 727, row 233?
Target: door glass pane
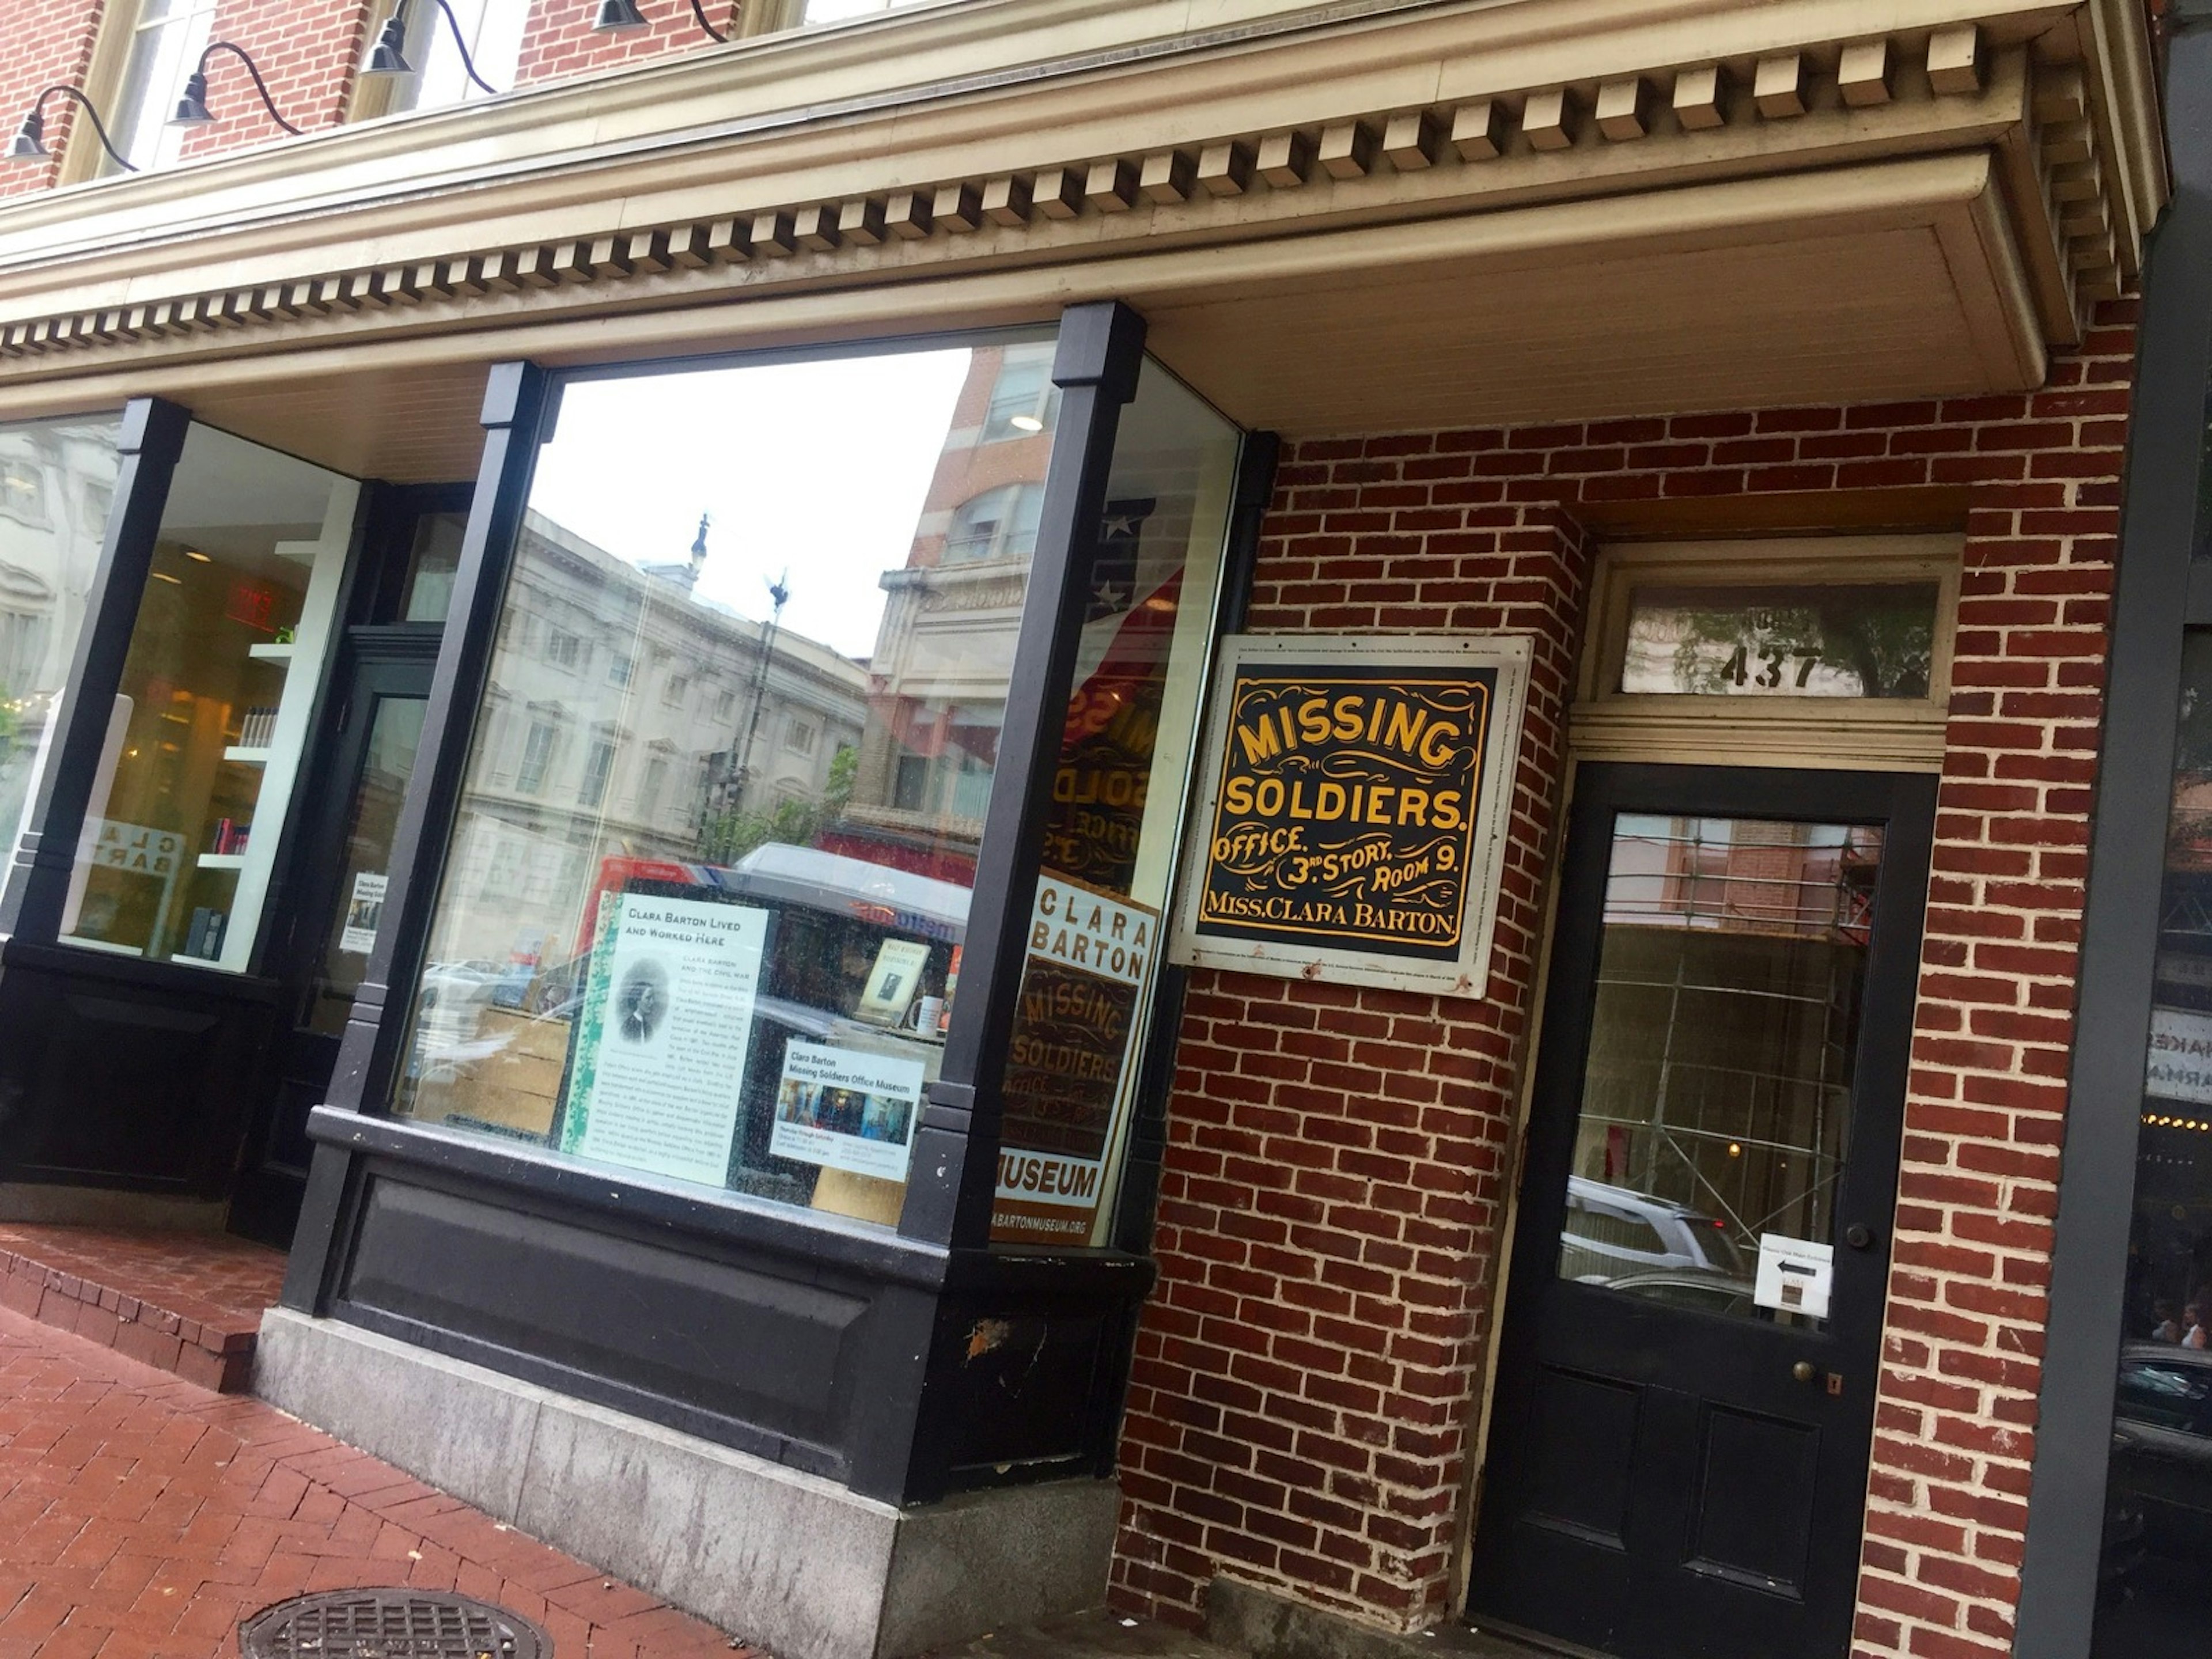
column 1716, row 1108
column 395, row 731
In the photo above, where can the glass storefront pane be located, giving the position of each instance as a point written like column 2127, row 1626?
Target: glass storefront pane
column 211, row 718
column 1116, row 823
column 1715, row 1110
column 2158, row 1527
column 56, row 487
column 703, row 910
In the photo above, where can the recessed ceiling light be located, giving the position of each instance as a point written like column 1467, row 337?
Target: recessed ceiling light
column 194, row 553
column 164, row 576
column 1026, row 423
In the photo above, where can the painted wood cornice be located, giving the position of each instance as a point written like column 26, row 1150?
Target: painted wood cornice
column 999, row 135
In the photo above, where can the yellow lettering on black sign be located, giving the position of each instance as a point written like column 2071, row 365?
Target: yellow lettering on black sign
column 1346, row 813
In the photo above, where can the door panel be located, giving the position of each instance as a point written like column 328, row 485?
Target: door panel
column 1679, row 1441
column 347, row 851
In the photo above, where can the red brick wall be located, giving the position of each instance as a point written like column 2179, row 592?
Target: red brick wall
column 559, row 39
column 308, row 51
column 45, row 42
column 1302, row 1406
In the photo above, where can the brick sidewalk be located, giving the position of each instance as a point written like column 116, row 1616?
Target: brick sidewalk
column 142, row 1516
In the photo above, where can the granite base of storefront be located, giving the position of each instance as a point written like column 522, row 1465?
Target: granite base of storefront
column 1244, row 1618
column 787, row 1561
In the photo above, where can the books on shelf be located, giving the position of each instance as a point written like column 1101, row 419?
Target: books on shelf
column 258, row 729
column 204, row 937
column 230, row 837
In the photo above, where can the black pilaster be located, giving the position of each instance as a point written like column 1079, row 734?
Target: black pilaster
column 2127, row 870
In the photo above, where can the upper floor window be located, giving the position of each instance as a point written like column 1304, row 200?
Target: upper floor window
column 1022, row 399
column 493, row 32
column 999, row 524
column 160, row 42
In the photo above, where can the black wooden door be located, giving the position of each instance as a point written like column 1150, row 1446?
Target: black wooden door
column 1684, row 1397
column 334, row 908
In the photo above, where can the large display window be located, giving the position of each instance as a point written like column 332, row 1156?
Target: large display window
column 706, row 892
column 211, row 718
column 56, row 488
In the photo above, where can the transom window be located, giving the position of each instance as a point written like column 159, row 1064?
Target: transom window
column 1815, row 650
column 999, row 524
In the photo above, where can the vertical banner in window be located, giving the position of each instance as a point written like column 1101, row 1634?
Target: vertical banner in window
column 1069, row 1076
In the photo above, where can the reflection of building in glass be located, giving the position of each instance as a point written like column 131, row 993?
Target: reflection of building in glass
column 1726, row 1029
column 56, row 483
column 558, row 787
column 945, row 650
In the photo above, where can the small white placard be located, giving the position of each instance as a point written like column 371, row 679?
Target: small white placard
column 364, row 913
column 1795, row 1275
column 847, row 1110
column 2180, row 1064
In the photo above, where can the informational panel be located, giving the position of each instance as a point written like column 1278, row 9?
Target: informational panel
column 364, row 912
column 1354, row 816
column 1089, row 978
column 663, row 1035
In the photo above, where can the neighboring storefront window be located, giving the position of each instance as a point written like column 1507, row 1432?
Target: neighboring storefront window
column 674, row 935
column 211, row 718
column 1095, row 945
column 2158, row 1517
column 56, row 487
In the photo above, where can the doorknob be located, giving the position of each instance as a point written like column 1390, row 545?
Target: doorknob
column 1859, row 1235
column 1804, row 1370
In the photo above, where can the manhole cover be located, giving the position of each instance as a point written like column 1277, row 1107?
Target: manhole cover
column 390, row 1623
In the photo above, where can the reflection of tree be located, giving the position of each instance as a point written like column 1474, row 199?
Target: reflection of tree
column 726, row 837
column 1885, row 636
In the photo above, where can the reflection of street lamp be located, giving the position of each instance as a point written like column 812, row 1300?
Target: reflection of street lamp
column 778, row 593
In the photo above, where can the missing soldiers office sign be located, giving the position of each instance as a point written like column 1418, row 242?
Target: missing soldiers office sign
column 1357, row 792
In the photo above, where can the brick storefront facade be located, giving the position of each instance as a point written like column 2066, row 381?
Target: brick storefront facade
column 1304, row 1401
column 47, row 43
column 558, row 40
column 306, row 50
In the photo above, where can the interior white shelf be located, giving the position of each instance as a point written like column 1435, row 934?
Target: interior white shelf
column 272, row 653
column 222, row 861
column 248, row 756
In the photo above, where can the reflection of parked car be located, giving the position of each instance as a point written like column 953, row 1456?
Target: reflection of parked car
column 1706, row 1290
column 1610, row 1232
column 2162, row 1444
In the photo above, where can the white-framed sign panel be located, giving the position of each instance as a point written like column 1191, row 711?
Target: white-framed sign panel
column 1354, row 809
